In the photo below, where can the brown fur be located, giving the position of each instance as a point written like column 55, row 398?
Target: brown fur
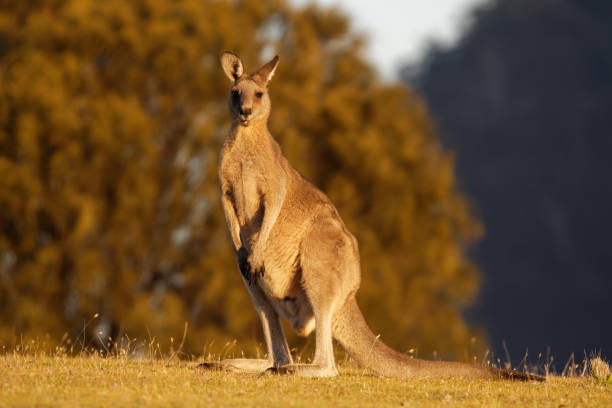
column 297, row 258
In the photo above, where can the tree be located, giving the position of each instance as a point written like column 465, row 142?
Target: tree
column 112, row 117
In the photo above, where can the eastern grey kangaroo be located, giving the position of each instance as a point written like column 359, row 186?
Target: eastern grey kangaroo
column 297, row 258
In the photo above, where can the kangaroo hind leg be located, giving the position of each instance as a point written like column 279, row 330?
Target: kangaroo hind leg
column 326, row 259
column 276, row 343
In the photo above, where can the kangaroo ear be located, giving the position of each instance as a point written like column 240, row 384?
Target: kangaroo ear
column 266, row 72
column 232, row 65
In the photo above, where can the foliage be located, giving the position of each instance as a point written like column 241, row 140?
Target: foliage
column 111, row 118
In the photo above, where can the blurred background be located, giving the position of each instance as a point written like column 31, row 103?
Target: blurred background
column 466, row 145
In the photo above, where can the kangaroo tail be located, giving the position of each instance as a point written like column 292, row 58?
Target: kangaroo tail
column 355, row 336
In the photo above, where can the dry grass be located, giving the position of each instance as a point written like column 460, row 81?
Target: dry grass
column 600, row 369
column 43, row 379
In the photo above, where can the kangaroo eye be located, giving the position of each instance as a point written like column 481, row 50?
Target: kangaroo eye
column 235, row 93
column 258, row 95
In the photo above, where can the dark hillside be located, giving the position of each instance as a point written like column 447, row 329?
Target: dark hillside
column 525, row 100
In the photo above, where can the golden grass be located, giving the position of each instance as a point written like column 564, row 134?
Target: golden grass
column 90, row 380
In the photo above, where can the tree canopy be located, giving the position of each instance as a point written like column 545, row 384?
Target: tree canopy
column 112, row 114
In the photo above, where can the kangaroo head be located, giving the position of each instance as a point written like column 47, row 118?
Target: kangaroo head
column 249, row 99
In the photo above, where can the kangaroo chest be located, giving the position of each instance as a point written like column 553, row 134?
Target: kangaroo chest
column 242, row 182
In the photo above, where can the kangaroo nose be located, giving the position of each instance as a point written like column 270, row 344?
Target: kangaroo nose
column 245, row 111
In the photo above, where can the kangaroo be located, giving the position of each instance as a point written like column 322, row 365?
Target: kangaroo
column 297, row 258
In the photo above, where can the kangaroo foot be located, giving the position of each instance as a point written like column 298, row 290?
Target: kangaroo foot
column 303, row 370
column 237, row 365
column 210, row 366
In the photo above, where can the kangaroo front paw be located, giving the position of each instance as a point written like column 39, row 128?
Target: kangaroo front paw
column 243, row 263
column 256, row 268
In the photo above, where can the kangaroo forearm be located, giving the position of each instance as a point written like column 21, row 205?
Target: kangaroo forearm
column 232, row 223
column 272, row 207
column 234, row 233
column 266, row 227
